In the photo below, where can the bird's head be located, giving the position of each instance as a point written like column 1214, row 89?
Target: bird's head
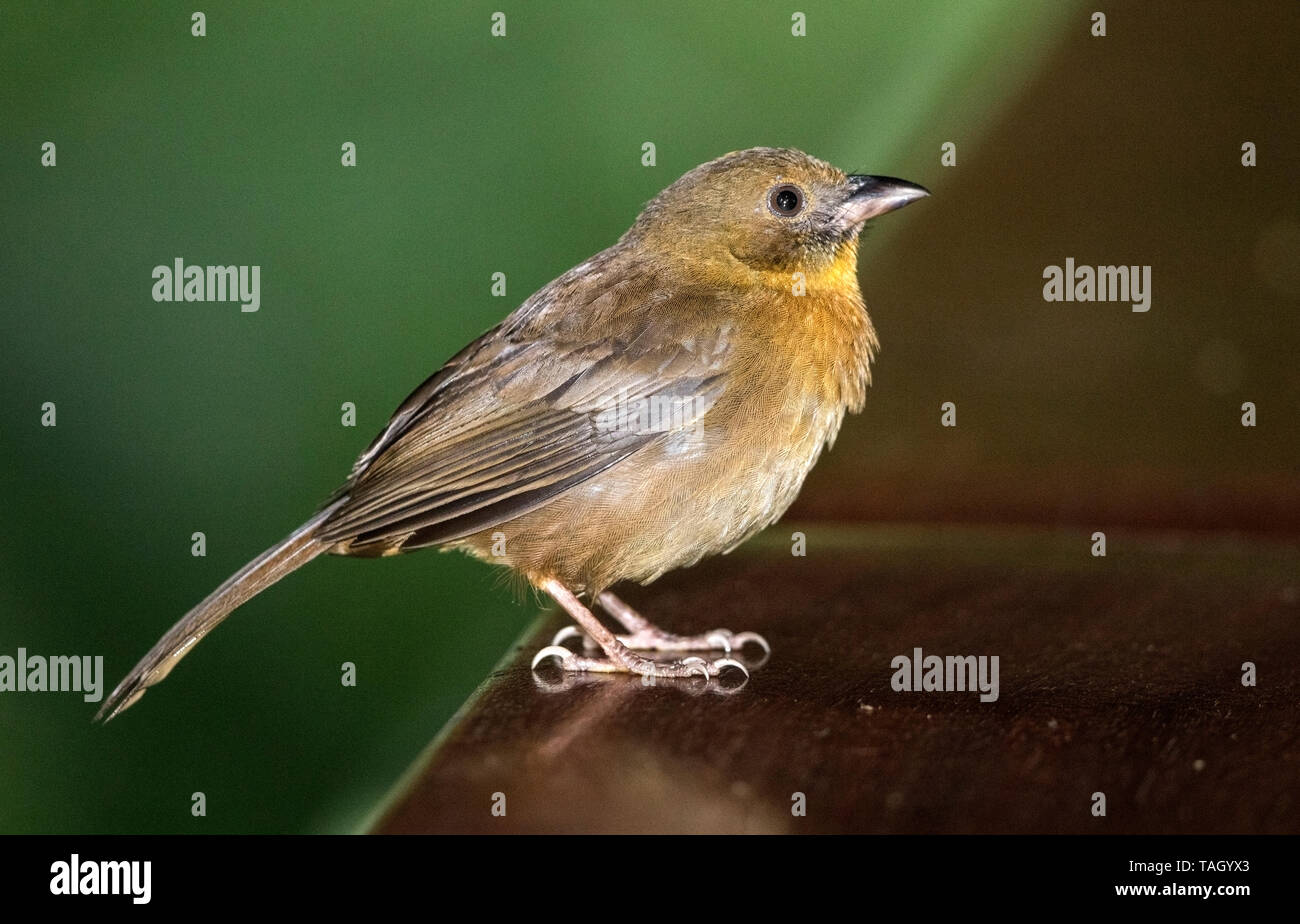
column 771, row 210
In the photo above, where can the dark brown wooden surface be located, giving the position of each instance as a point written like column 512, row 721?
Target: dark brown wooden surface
column 1119, row 675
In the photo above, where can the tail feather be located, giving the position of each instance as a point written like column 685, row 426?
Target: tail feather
column 260, row 573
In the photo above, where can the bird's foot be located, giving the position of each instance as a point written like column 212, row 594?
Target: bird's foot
column 628, row 661
column 652, row 638
column 619, row 654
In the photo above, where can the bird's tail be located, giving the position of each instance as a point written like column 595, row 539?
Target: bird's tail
column 299, row 548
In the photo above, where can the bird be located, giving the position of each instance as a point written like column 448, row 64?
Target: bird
column 658, row 403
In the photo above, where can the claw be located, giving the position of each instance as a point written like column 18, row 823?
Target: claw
column 694, row 663
column 739, row 641
column 722, row 638
column 567, row 632
column 721, row 663
column 744, row 637
column 558, row 652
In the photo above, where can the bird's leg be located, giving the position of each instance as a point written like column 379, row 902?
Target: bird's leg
column 643, row 635
column 618, row 657
column 646, row 636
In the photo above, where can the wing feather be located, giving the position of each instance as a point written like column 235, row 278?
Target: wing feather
column 518, row 417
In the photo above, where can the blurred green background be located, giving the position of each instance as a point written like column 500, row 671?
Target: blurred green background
column 523, row 155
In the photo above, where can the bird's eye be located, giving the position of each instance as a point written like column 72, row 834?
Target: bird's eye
column 785, row 200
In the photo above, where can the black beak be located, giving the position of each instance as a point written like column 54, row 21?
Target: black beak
column 871, row 196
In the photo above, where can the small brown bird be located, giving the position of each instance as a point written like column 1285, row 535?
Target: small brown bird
column 661, row 402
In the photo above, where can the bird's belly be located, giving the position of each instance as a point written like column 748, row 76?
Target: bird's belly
column 695, row 494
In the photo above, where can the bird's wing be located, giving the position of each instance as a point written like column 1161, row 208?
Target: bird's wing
column 517, row 418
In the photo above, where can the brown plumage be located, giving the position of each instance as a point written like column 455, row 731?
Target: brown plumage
column 659, row 403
